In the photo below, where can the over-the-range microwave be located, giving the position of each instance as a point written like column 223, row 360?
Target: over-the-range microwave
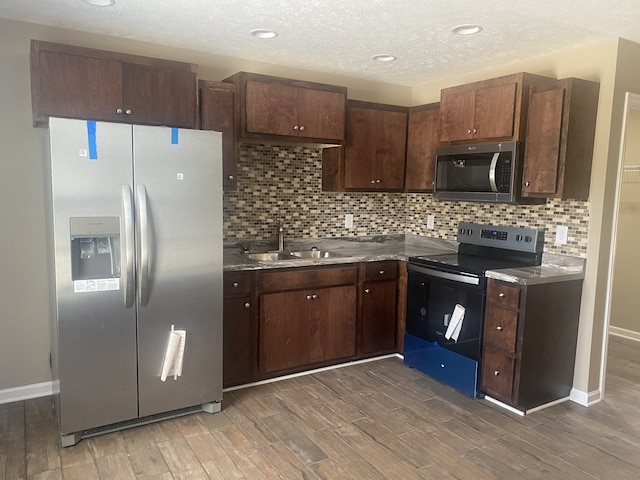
column 484, row 172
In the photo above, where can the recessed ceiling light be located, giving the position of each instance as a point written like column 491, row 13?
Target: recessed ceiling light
column 263, row 33
column 100, row 3
column 466, row 29
column 383, row 57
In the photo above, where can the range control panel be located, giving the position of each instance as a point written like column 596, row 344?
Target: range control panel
column 521, row 239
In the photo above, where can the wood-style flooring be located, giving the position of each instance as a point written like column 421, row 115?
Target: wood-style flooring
column 377, row 420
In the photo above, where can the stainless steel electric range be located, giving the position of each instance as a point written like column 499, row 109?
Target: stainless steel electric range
column 446, row 299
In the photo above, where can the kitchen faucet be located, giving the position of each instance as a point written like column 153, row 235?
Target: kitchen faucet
column 280, row 236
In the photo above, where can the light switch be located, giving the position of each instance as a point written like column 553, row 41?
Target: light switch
column 431, row 220
column 348, row 221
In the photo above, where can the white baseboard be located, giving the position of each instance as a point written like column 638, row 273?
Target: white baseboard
column 623, row 332
column 35, row 390
column 586, row 399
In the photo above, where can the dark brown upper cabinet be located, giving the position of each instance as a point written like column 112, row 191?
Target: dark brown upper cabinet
column 217, row 112
column 423, row 135
column 494, row 109
column 279, row 108
column 560, row 135
column 375, row 148
column 76, row 82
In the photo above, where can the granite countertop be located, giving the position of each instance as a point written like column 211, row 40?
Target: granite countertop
column 554, row 268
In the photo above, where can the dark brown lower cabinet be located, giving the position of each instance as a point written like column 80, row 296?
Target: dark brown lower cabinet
column 530, row 337
column 307, row 317
column 379, row 308
column 239, row 329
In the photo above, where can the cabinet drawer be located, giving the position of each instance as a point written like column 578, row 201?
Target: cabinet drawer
column 236, row 283
column 500, row 328
column 380, row 271
column 503, row 294
column 303, row 278
column 497, row 373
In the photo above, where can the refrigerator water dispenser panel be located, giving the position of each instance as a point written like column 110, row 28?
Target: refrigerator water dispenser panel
column 95, row 253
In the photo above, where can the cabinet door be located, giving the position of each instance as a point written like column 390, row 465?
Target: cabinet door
column 378, row 334
column 391, row 141
column 542, row 150
column 332, row 323
column 238, row 351
column 284, row 331
column 494, row 112
column 76, row 86
column 321, row 114
column 422, row 139
column 217, row 112
column 159, row 95
column 456, row 114
column 272, row 108
column 360, row 152
column 497, row 374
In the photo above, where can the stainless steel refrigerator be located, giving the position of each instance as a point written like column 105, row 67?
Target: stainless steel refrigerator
column 137, row 266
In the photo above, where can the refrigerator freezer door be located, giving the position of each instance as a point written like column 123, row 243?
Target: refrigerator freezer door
column 94, row 351
column 178, row 176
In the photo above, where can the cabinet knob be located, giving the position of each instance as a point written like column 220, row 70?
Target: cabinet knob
column 366, row 290
column 127, row 111
column 527, row 184
column 119, row 111
column 442, row 365
column 501, row 294
column 314, row 296
column 499, row 328
column 373, row 181
column 474, row 130
column 247, row 305
column 235, row 284
column 381, row 272
column 378, row 180
column 308, row 297
column 302, row 128
column 496, row 372
column 468, row 130
column 230, row 177
column 296, row 127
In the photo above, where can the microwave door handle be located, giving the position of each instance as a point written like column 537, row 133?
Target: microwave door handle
column 492, row 172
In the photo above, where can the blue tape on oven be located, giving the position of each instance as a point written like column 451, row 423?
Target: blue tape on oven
column 174, row 136
column 91, row 137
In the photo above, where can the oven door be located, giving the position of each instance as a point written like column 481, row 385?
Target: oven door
column 432, row 296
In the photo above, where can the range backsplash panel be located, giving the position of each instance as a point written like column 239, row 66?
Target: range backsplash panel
column 285, row 182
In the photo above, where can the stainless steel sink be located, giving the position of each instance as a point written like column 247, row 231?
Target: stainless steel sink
column 314, row 254
column 271, row 256
column 286, row 255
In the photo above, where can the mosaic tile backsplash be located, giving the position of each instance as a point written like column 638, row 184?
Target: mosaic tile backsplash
column 285, row 182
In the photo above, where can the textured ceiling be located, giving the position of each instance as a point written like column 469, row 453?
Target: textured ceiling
column 340, row 37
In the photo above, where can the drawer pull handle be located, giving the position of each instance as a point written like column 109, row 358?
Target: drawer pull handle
column 501, row 294
column 499, row 328
column 496, row 372
column 247, row 305
column 235, row 284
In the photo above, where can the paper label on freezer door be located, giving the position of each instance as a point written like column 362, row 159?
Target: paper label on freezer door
column 96, row 285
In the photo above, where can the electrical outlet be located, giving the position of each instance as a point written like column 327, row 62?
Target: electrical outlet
column 431, row 220
column 562, row 234
column 348, row 221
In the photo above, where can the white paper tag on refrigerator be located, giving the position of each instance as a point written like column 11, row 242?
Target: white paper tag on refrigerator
column 96, row 285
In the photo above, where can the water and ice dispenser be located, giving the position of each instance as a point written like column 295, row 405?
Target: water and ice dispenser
column 95, row 253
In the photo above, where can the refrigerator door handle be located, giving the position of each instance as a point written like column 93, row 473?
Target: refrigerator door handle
column 129, row 245
column 143, row 254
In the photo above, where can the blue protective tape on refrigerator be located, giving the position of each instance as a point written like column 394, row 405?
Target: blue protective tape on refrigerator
column 91, row 137
column 174, row 136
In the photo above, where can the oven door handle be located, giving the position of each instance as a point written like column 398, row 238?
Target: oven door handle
column 456, row 277
column 492, row 172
